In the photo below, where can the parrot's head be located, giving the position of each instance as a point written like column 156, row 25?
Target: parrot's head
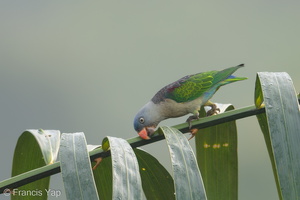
column 146, row 120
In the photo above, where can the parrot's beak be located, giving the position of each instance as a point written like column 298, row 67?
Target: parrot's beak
column 145, row 132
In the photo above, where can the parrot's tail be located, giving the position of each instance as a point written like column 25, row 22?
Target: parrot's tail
column 225, row 76
column 232, row 79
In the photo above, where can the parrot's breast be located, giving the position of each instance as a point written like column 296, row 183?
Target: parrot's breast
column 171, row 109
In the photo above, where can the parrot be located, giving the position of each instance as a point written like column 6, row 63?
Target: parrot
column 182, row 97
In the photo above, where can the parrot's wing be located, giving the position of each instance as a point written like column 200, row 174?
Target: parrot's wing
column 190, row 87
column 194, row 86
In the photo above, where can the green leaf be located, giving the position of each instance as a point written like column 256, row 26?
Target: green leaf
column 126, row 175
column 76, row 167
column 280, row 126
column 187, row 177
column 156, row 180
column 216, row 149
column 103, row 179
column 34, row 149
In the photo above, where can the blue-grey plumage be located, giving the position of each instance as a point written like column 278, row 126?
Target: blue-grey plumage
column 181, row 97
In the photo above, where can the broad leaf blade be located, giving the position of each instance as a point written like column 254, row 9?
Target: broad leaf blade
column 280, row 126
column 48, row 141
column 187, row 177
column 76, row 167
column 34, row 149
column 126, row 175
column 103, row 179
column 216, row 149
column 156, row 180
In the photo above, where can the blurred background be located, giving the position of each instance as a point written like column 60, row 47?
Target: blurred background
column 89, row 66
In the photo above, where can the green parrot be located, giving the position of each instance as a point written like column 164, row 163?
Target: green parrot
column 182, row 97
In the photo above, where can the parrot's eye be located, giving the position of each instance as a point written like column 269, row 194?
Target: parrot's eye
column 142, row 120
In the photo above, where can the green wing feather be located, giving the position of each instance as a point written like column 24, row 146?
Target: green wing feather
column 194, row 86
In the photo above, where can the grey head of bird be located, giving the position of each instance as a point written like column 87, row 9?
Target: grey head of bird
column 147, row 119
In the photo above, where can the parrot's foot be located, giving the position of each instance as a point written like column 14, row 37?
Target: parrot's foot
column 193, row 132
column 213, row 111
column 190, row 119
column 98, row 161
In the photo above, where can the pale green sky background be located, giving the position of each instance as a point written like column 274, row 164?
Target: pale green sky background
column 90, row 66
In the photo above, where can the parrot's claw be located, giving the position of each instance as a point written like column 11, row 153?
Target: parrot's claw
column 193, row 132
column 190, row 119
column 213, row 111
column 98, row 161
